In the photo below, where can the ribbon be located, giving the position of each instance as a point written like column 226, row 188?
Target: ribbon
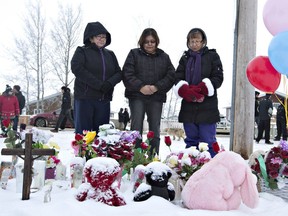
column 263, row 169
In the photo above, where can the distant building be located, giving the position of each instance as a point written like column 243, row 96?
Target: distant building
column 51, row 103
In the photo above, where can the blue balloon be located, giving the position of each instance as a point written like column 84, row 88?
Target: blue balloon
column 278, row 52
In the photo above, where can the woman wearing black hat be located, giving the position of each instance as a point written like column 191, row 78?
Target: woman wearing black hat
column 198, row 76
column 97, row 72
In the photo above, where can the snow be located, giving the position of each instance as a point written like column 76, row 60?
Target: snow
column 63, row 200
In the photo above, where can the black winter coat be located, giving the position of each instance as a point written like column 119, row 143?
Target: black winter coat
column 207, row 111
column 141, row 68
column 264, row 106
column 66, row 101
column 92, row 66
column 21, row 100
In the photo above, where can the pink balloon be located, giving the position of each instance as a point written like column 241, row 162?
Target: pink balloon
column 275, row 16
column 262, row 75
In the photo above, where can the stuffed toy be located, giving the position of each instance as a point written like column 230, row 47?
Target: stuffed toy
column 101, row 185
column 157, row 175
column 221, row 184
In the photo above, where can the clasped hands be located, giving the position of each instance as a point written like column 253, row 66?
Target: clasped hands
column 193, row 93
column 148, row 89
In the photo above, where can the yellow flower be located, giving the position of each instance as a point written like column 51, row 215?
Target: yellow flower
column 173, row 161
column 54, row 145
column 89, row 137
column 156, row 158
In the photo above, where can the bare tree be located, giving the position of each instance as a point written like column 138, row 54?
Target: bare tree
column 35, row 35
column 21, row 57
column 65, row 36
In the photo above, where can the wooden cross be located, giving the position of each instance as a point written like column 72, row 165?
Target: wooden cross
column 28, row 158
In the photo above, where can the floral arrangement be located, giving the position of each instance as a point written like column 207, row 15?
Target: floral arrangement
column 12, row 138
column 118, row 146
column 188, row 161
column 109, row 143
column 143, row 155
column 82, row 144
column 273, row 168
column 52, row 162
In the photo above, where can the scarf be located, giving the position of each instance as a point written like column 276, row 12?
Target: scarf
column 193, row 67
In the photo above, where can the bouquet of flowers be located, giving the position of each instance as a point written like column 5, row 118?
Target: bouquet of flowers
column 118, row 146
column 109, row 143
column 82, row 144
column 12, row 139
column 142, row 155
column 52, row 162
column 188, row 161
column 273, row 168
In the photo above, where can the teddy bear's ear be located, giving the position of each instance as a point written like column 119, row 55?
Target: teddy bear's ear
column 169, row 174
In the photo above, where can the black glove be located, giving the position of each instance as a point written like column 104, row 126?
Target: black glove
column 106, row 86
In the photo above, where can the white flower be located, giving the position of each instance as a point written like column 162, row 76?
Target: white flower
column 185, row 160
column 205, row 154
column 192, row 151
column 203, row 146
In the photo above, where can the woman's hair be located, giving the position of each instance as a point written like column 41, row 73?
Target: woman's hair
column 194, row 33
column 145, row 34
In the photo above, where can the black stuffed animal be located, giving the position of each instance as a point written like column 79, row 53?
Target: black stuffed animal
column 157, row 175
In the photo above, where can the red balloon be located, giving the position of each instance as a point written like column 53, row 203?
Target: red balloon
column 262, row 75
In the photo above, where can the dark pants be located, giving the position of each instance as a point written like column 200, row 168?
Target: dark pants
column 125, row 125
column 15, row 123
column 153, row 110
column 90, row 114
column 264, row 125
column 281, row 129
column 196, row 133
column 65, row 113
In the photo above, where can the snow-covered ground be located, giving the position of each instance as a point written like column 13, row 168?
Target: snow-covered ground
column 64, row 203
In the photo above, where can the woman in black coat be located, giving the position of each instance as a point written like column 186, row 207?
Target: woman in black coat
column 148, row 75
column 97, row 72
column 198, row 76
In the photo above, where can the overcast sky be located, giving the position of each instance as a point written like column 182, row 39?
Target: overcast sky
column 126, row 19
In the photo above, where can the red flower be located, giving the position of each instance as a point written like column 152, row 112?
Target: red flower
column 6, row 122
column 167, row 140
column 78, row 137
column 215, row 147
column 273, row 174
column 150, row 135
column 144, row 145
column 284, row 154
column 285, row 171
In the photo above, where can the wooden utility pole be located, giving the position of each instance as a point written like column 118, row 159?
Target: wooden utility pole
column 242, row 134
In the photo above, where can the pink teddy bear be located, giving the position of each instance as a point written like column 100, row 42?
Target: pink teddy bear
column 101, row 174
column 221, row 184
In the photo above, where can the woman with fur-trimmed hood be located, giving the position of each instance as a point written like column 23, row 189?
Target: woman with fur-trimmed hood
column 198, row 76
column 97, row 72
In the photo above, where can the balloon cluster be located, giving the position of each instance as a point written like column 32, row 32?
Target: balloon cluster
column 263, row 72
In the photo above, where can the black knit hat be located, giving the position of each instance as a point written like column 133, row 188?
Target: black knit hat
column 8, row 89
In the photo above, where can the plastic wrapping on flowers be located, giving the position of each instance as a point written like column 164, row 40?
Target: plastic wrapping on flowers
column 273, row 168
column 188, row 161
